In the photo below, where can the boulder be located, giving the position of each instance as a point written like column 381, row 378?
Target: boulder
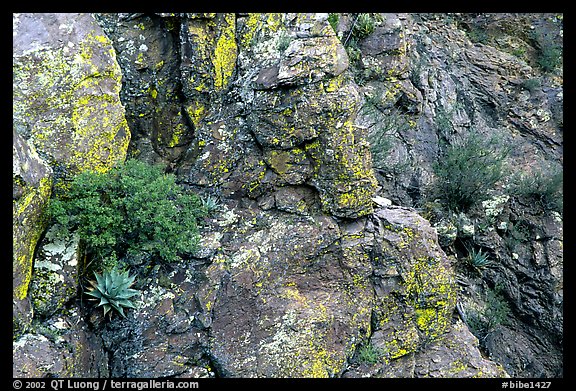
column 62, row 347
column 66, row 93
column 414, row 285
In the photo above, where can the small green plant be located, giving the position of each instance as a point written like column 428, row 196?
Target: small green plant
column 549, row 55
column 469, row 169
column 517, row 235
column 113, row 290
column 497, row 309
column 531, row 85
column 477, row 259
column 519, row 52
column 353, row 51
column 133, row 209
column 368, row 354
column 390, row 122
column 495, row 312
column 210, row 205
column 363, row 26
column 542, row 182
column 478, row 34
column 333, row 19
column 283, row 41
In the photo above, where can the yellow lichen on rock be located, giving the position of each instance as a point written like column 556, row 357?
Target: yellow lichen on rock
column 225, row 53
column 29, row 221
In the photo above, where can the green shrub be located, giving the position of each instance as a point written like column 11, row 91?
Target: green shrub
column 478, row 34
column 283, row 41
column 497, row 309
column 469, row 169
column 494, row 313
column 549, row 54
column 549, row 57
column 531, row 85
column 133, row 209
column 368, row 354
column 381, row 136
column 353, row 51
column 363, row 26
column 333, row 19
column 542, row 182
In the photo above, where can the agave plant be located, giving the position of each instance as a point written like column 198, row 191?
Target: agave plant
column 478, row 260
column 113, row 290
column 210, row 204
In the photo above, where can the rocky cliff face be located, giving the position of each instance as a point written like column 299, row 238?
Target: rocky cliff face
column 319, row 135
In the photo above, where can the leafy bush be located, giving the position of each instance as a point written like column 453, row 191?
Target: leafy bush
column 132, row 209
column 353, row 51
column 284, row 41
column 470, row 168
column 497, row 309
column 543, row 183
column 387, row 124
column 364, row 26
column 495, row 312
column 549, row 55
column 113, row 290
column 478, row 34
column 531, row 85
column 333, row 19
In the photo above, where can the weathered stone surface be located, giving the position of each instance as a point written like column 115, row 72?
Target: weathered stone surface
column 66, row 83
column 147, row 51
column 529, row 259
column 311, row 60
column 34, row 356
column 524, row 355
column 286, row 307
column 482, row 71
column 164, row 335
column 455, row 355
column 32, row 181
column 228, row 54
column 299, row 271
column 64, row 347
column 55, row 275
column 299, row 200
column 415, row 293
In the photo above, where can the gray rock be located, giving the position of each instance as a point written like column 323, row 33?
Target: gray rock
column 64, row 347
column 301, row 269
column 66, row 93
column 55, row 275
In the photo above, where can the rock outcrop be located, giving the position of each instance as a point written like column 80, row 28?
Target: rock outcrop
column 67, row 118
column 31, row 188
column 299, row 125
column 66, row 83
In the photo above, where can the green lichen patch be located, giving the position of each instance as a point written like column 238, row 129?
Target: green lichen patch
column 29, row 220
column 293, row 166
column 418, row 294
column 68, row 98
column 213, row 52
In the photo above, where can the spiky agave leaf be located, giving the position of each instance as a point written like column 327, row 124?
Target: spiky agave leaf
column 113, row 290
column 478, row 259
